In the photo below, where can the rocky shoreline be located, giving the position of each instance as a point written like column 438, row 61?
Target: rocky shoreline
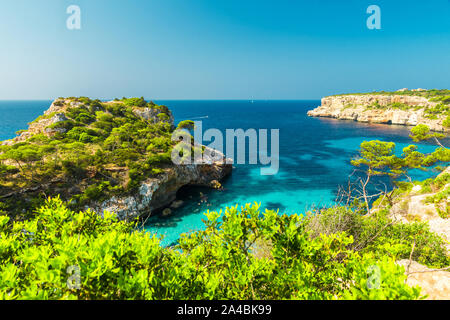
column 154, row 192
column 361, row 108
column 160, row 192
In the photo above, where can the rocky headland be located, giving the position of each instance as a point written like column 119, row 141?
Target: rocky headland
column 389, row 108
column 107, row 156
column 424, row 202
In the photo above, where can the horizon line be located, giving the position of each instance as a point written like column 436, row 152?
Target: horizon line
column 168, row 99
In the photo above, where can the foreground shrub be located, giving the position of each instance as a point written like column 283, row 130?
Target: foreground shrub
column 380, row 236
column 241, row 254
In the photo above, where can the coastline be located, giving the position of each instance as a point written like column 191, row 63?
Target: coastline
column 384, row 109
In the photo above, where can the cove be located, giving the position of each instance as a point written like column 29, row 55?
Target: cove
column 314, row 158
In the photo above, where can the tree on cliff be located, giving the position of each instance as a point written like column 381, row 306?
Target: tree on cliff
column 377, row 158
column 422, row 132
column 186, row 124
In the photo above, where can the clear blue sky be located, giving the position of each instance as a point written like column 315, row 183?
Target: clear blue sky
column 221, row 49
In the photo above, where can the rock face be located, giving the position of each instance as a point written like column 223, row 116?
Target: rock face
column 156, row 193
column 434, row 284
column 414, row 208
column 358, row 108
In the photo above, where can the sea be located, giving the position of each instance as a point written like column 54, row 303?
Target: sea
column 314, row 156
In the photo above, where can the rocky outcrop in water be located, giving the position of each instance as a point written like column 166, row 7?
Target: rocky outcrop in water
column 156, row 193
column 380, row 108
column 101, row 181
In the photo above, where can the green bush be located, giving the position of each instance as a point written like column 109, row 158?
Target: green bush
column 439, row 110
column 66, row 124
column 83, row 134
column 85, row 118
column 112, row 260
column 446, row 122
column 378, row 235
column 135, row 102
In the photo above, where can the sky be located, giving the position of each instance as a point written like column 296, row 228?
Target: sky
column 220, row 49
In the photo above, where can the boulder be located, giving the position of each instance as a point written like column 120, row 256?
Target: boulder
column 434, row 284
column 166, row 212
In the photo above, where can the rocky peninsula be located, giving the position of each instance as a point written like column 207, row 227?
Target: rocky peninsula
column 403, row 107
column 107, row 156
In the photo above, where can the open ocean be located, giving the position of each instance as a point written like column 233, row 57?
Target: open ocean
column 314, row 159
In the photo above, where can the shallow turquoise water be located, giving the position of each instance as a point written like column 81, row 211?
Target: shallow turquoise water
column 314, row 159
column 314, row 156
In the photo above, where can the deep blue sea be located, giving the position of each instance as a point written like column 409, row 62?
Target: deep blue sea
column 314, row 156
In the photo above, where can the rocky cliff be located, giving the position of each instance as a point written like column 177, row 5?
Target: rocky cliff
column 381, row 108
column 160, row 192
column 430, row 206
column 108, row 156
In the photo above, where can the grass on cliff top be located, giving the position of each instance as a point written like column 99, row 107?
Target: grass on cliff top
column 102, row 148
column 436, row 95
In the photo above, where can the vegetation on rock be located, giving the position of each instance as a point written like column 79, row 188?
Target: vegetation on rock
column 241, row 254
column 436, row 95
column 92, row 151
column 96, row 149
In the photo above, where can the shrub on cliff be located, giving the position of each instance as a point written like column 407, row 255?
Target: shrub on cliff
column 378, row 159
column 381, row 237
column 79, row 150
column 138, row 102
column 61, row 254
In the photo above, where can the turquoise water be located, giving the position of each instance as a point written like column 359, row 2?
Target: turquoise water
column 314, row 156
column 314, row 159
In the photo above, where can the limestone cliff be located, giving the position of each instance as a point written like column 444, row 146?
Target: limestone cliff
column 417, row 205
column 156, row 193
column 435, row 284
column 112, row 156
column 381, row 108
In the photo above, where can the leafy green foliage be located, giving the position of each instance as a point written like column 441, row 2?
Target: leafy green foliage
column 423, row 132
column 378, row 158
column 115, row 261
column 442, row 95
column 446, row 122
column 138, row 102
column 440, row 109
column 186, row 124
column 378, row 235
column 394, row 105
